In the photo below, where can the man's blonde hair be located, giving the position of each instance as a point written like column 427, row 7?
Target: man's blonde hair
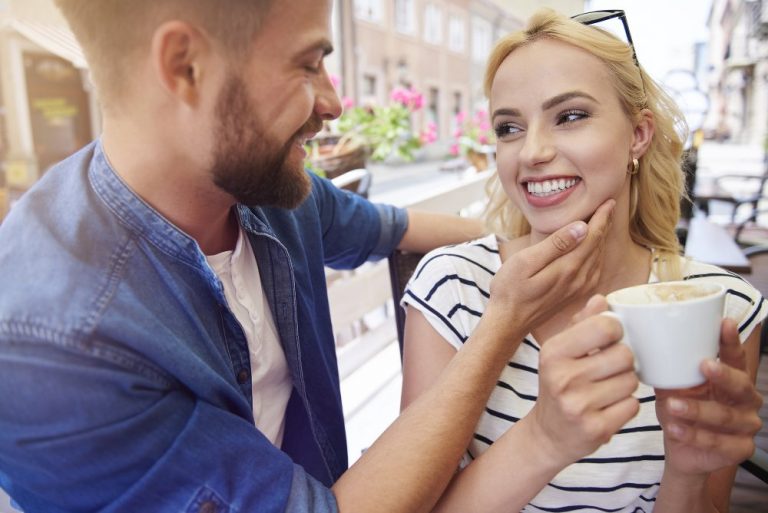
column 114, row 33
column 658, row 186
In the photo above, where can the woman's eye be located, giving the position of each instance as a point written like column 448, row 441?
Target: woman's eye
column 571, row 116
column 506, row 129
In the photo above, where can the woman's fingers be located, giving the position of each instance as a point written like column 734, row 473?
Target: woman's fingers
column 732, row 448
column 714, row 416
column 594, row 306
column 731, row 351
column 585, row 337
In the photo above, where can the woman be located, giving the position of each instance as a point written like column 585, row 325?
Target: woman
column 579, row 124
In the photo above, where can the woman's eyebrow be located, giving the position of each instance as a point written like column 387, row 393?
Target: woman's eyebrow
column 505, row 112
column 564, row 97
column 548, row 104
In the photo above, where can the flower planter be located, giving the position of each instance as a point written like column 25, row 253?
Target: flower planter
column 336, row 162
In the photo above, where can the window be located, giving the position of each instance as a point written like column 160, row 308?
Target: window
column 433, row 24
column 482, row 39
column 433, row 106
column 456, row 108
column 369, row 85
column 405, row 16
column 456, row 34
column 369, row 10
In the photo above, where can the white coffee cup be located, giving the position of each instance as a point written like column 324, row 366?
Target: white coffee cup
column 671, row 328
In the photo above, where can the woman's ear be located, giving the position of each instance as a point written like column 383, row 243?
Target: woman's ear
column 177, row 53
column 642, row 134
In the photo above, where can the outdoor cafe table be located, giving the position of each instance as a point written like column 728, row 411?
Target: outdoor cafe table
column 712, row 244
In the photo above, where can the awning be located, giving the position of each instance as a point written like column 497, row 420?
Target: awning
column 57, row 39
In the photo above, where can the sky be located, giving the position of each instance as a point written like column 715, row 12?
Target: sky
column 663, row 30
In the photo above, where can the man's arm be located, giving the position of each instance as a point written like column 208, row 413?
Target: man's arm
column 429, row 230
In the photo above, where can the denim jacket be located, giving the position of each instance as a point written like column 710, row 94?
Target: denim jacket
column 125, row 378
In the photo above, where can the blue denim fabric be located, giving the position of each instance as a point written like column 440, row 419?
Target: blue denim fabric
column 119, row 358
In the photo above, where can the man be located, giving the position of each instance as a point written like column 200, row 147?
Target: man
column 165, row 341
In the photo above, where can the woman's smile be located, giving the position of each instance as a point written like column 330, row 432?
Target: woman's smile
column 546, row 192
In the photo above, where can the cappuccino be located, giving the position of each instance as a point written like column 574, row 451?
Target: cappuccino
column 670, row 327
column 664, row 292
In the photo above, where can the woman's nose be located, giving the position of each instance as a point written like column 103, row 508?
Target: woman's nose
column 538, row 147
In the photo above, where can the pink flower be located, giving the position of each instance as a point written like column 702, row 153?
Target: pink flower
column 335, row 80
column 429, row 134
column 483, row 139
column 400, row 95
column 347, row 102
column 460, row 117
column 454, row 149
column 416, row 101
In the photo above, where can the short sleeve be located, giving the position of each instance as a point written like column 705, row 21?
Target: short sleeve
column 743, row 302
column 450, row 287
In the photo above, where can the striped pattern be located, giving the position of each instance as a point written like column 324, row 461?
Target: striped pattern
column 450, row 287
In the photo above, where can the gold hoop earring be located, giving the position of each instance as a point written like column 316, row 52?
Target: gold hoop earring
column 635, row 167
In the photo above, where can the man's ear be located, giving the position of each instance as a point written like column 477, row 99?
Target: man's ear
column 178, row 51
column 643, row 132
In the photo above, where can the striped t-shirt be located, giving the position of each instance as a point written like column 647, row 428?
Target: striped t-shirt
column 451, row 288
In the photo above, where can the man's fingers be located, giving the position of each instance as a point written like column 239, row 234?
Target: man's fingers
column 602, row 218
column 567, row 238
column 553, row 247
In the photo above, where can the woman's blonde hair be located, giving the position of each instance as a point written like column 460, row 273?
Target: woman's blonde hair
column 658, row 186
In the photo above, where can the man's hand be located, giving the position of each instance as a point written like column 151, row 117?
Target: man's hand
column 534, row 283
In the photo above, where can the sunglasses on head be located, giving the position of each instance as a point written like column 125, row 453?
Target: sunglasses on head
column 593, row 17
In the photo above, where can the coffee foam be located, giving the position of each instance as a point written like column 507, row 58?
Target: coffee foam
column 662, row 293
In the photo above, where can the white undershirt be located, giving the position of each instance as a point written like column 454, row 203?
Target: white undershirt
column 270, row 379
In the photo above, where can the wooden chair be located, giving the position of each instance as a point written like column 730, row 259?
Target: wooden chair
column 757, row 465
column 401, row 267
column 736, row 189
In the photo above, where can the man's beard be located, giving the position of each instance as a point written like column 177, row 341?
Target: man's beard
column 248, row 163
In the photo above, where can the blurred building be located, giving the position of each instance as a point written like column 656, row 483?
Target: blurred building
column 738, row 83
column 47, row 110
column 439, row 47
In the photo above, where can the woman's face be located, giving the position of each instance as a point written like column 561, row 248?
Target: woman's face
column 564, row 141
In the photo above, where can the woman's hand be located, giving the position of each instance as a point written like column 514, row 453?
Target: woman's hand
column 712, row 426
column 534, row 283
column 586, row 381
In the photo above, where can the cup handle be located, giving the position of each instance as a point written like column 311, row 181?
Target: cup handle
column 625, row 338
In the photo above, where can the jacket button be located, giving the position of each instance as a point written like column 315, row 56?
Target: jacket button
column 243, row 376
column 208, row 507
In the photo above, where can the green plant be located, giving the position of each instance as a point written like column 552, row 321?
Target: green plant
column 472, row 132
column 385, row 129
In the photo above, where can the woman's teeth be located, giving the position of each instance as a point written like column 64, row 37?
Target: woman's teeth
column 549, row 187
